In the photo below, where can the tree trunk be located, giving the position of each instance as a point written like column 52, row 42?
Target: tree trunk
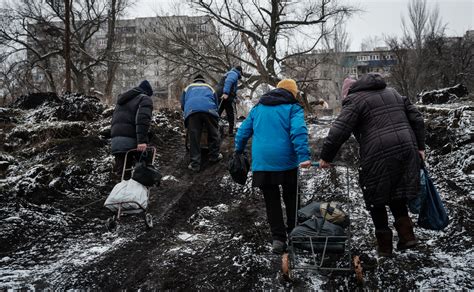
column 67, row 45
column 111, row 64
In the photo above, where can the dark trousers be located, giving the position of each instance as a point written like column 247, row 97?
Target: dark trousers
column 379, row 213
column 196, row 123
column 228, row 106
column 272, row 196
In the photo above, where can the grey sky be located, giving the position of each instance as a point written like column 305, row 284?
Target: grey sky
column 379, row 17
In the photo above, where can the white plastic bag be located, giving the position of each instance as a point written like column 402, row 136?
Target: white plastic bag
column 130, row 195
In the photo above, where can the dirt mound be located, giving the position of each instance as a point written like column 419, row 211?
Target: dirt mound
column 210, row 233
column 443, row 95
column 34, row 100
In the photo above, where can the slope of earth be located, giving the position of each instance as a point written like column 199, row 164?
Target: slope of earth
column 210, row 233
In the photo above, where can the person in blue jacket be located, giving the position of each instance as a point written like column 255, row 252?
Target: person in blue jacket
column 199, row 103
column 279, row 146
column 227, row 92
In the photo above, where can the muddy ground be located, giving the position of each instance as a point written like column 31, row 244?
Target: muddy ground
column 209, row 233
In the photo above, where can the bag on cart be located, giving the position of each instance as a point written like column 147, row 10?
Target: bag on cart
column 129, row 195
column 146, row 174
column 311, row 235
column 239, row 166
column 331, row 211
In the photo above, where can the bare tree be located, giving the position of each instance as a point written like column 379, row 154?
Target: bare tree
column 38, row 28
column 370, row 43
column 418, row 52
column 259, row 34
column 115, row 9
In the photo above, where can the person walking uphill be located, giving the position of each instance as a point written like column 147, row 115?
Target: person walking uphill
column 390, row 132
column 227, row 92
column 199, row 103
column 279, row 146
column 130, row 124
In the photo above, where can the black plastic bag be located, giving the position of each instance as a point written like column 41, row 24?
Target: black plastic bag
column 239, row 166
column 432, row 213
column 146, row 174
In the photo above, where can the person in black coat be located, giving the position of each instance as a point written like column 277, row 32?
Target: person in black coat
column 130, row 125
column 390, row 132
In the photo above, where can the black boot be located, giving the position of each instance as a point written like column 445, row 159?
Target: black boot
column 406, row 237
column 384, row 242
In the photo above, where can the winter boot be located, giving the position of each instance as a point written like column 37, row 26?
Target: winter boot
column 384, row 242
column 406, row 237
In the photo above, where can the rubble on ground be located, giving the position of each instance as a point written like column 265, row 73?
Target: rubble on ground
column 443, row 95
column 210, row 233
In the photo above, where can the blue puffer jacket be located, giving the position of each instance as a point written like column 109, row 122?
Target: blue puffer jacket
column 199, row 97
column 230, row 83
column 280, row 135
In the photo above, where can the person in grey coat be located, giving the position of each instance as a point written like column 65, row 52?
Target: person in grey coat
column 130, row 125
column 390, row 132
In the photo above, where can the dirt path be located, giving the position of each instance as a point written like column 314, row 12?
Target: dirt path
column 209, row 232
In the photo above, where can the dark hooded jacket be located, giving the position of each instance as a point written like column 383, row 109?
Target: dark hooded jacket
column 390, row 131
column 131, row 120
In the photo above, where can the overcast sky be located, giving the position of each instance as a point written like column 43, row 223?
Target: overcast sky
column 378, row 18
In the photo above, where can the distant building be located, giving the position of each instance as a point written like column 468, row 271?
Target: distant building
column 136, row 61
column 322, row 72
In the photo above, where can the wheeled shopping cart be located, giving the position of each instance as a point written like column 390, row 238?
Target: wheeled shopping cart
column 316, row 251
column 129, row 197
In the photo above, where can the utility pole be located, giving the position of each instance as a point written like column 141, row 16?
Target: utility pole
column 67, row 43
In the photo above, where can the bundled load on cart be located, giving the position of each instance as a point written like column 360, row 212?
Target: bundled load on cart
column 322, row 228
column 131, row 196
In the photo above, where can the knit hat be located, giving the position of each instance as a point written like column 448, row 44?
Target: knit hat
column 200, row 78
column 145, row 86
column 290, row 85
column 238, row 68
column 346, row 85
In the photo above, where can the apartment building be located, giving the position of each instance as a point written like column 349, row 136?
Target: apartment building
column 135, row 60
column 321, row 73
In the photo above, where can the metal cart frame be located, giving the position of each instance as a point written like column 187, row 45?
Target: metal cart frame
column 318, row 258
column 113, row 221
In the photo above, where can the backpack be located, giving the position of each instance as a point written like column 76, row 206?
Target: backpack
column 239, row 166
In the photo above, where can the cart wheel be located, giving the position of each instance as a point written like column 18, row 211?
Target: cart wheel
column 285, row 267
column 149, row 220
column 111, row 224
column 358, row 270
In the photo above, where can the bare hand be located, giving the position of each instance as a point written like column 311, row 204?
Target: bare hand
column 305, row 164
column 422, row 154
column 324, row 164
column 141, row 147
column 225, row 96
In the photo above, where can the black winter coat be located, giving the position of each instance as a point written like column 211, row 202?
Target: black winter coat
column 390, row 131
column 132, row 116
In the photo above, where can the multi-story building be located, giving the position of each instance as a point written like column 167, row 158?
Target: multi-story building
column 135, row 61
column 322, row 72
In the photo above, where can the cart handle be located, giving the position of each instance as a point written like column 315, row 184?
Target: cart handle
column 315, row 163
column 153, row 148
